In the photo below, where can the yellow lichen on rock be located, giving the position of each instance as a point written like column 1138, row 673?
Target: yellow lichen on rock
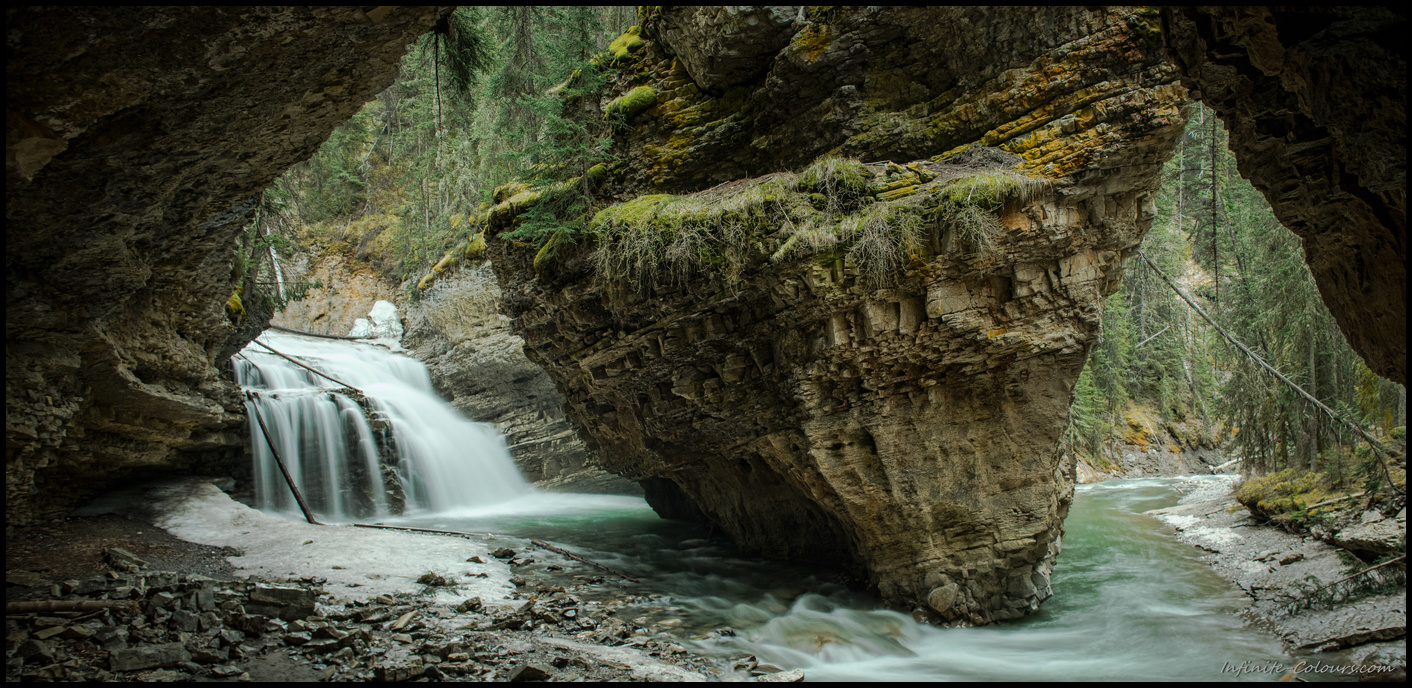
column 235, row 310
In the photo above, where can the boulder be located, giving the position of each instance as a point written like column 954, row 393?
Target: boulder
column 149, row 657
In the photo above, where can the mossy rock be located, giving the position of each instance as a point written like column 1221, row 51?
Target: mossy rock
column 475, row 248
column 631, row 104
column 507, row 191
column 1284, row 496
column 625, row 45
column 546, row 260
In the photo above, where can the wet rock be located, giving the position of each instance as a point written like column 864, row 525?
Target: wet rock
column 210, row 655
column 298, row 638
column 111, row 638
column 434, row 579
column 149, row 656
column 478, row 560
column 50, row 632
column 124, row 559
column 1378, row 537
column 322, row 646
column 470, row 604
column 1290, row 558
column 791, row 676
column 529, row 672
column 38, row 650
column 226, row 671
column 183, row 620
column 284, row 602
column 503, row 553
column 399, row 671
column 517, row 581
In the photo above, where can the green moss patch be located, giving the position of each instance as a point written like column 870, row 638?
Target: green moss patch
column 834, row 205
column 631, row 104
column 1285, row 497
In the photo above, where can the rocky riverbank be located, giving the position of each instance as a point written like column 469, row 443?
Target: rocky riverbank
column 1279, row 570
column 273, row 602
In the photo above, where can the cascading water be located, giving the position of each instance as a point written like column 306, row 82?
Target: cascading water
column 416, row 454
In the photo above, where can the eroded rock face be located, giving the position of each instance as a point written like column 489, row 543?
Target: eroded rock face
column 347, row 291
column 907, row 431
column 1316, row 103
column 136, row 141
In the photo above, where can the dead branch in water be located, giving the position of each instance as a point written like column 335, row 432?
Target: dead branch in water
column 255, row 408
column 419, row 530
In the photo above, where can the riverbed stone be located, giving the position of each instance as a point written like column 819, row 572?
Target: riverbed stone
column 149, row 656
column 284, row 602
column 1378, row 537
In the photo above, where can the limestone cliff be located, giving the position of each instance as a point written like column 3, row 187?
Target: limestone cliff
column 136, row 141
column 905, row 426
column 1315, row 99
column 346, row 291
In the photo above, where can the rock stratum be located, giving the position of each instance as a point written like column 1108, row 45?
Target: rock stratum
column 907, row 429
column 136, row 143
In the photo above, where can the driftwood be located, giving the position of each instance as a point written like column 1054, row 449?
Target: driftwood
column 1335, row 499
column 68, row 606
column 308, row 515
column 417, row 530
column 311, row 334
column 575, row 557
column 305, row 366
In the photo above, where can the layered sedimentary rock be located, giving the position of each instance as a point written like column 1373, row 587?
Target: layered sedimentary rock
column 346, row 291
column 1315, row 99
column 907, row 429
column 136, row 142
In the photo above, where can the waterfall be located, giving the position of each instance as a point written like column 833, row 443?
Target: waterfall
column 389, row 446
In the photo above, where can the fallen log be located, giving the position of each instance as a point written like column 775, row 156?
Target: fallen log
column 305, row 366
column 1335, row 499
column 255, row 408
column 311, row 334
column 68, row 606
column 576, row 557
column 419, row 530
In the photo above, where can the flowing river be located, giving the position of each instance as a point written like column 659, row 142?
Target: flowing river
column 1130, row 603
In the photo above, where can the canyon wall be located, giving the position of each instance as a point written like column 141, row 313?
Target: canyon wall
column 136, row 143
column 907, row 430
column 1315, row 99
